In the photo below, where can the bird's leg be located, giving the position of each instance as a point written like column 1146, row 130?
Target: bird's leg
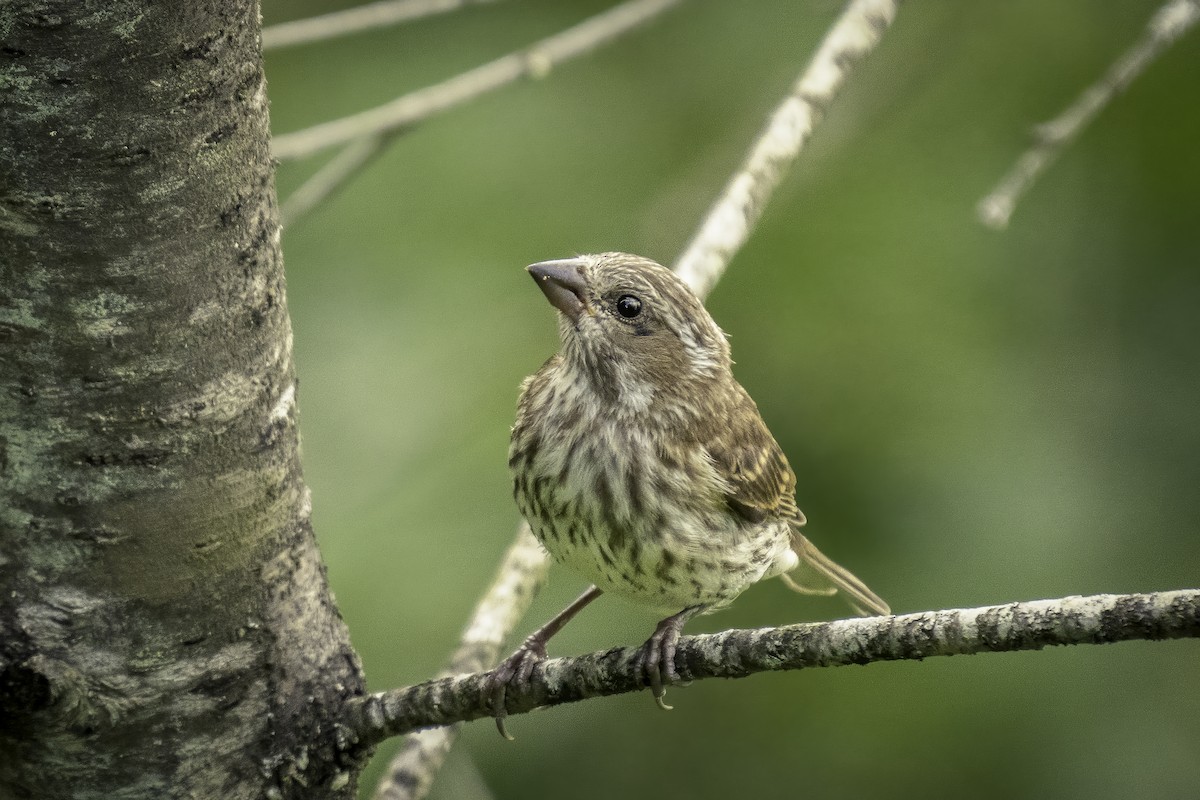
column 656, row 659
column 515, row 670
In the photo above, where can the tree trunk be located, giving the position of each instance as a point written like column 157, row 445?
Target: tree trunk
column 166, row 629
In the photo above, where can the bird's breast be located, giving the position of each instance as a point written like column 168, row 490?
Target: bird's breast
column 628, row 507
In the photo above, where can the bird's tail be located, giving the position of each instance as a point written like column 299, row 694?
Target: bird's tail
column 864, row 602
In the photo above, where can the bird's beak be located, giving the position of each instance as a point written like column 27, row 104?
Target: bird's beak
column 563, row 284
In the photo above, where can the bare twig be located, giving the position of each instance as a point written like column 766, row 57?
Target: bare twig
column 1050, row 138
column 1097, row 619
column 326, row 181
column 358, row 18
column 535, row 61
column 738, row 209
column 520, row 575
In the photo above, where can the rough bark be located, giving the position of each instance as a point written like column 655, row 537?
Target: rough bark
column 1032, row 625
column 166, row 629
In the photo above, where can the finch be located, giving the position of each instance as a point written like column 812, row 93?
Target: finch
column 642, row 464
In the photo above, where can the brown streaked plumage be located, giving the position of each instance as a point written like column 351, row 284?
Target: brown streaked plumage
column 640, row 462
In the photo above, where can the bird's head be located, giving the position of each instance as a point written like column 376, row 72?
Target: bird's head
column 631, row 325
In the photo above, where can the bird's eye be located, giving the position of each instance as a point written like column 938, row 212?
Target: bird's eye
column 628, row 306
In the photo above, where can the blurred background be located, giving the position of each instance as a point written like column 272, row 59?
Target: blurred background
column 974, row 416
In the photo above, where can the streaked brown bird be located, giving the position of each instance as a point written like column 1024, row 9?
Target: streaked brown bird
column 641, row 463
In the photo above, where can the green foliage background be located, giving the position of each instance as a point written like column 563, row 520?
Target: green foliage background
column 975, row 417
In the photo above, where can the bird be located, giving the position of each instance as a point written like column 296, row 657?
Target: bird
column 640, row 463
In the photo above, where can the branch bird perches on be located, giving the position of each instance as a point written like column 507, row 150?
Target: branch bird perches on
column 1031, row 625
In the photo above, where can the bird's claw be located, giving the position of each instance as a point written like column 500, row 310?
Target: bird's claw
column 514, row 672
column 656, row 659
column 650, row 665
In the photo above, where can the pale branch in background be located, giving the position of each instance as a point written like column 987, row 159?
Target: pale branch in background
column 356, row 19
column 739, row 207
column 431, row 100
column 1033, row 625
column 520, row 575
column 325, row 182
column 1169, row 23
column 535, row 61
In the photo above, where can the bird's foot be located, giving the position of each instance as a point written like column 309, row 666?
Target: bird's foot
column 656, row 658
column 513, row 672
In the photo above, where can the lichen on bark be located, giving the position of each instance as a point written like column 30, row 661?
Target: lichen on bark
column 161, row 594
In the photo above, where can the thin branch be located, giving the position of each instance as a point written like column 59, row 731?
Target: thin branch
column 732, row 218
column 326, row 181
column 535, row 61
column 521, row 573
column 1169, row 23
column 1033, row 625
column 358, row 18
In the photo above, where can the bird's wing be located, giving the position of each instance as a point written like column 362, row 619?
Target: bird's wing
column 761, row 484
